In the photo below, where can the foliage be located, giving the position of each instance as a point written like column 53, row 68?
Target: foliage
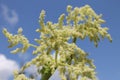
column 79, row 23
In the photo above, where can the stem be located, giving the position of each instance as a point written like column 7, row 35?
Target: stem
column 46, row 76
column 48, row 51
column 74, row 40
column 56, row 55
column 33, row 45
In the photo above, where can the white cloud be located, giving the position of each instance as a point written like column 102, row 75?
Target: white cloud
column 55, row 76
column 9, row 15
column 33, row 70
column 7, row 67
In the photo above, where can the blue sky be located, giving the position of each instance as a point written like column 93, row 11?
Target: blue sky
column 25, row 14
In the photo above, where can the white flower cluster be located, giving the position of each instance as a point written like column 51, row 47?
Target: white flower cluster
column 18, row 76
column 80, row 23
column 16, row 39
